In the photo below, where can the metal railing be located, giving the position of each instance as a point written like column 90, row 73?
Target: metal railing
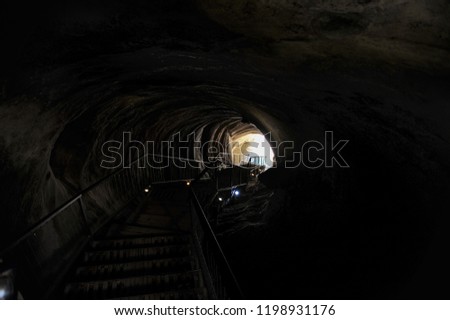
column 223, row 281
column 40, row 262
column 247, row 160
column 256, row 161
column 50, row 245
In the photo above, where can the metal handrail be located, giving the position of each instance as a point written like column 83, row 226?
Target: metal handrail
column 218, row 254
column 39, row 224
column 76, row 198
column 257, row 161
column 206, row 226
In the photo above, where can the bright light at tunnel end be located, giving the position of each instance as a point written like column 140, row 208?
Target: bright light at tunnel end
column 252, row 148
column 246, row 151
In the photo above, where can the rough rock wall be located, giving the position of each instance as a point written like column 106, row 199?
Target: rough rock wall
column 418, row 21
column 411, row 32
column 93, row 76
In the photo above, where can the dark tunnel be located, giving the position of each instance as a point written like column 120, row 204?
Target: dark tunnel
column 77, row 74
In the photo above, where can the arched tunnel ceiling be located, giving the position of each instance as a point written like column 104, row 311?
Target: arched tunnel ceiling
column 412, row 33
column 374, row 72
column 415, row 20
column 371, row 29
column 154, row 99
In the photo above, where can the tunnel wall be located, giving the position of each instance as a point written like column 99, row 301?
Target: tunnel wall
column 70, row 83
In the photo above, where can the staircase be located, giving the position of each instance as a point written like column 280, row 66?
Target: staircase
column 150, row 254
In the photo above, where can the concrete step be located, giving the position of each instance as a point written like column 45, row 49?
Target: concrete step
column 193, row 294
column 135, row 268
column 139, row 242
column 146, row 254
column 126, row 255
column 132, row 286
column 125, row 230
column 172, row 221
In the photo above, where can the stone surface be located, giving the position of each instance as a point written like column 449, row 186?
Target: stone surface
column 374, row 72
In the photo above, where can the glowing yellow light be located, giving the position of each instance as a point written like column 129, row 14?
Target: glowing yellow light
column 251, row 147
column 188, row 183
